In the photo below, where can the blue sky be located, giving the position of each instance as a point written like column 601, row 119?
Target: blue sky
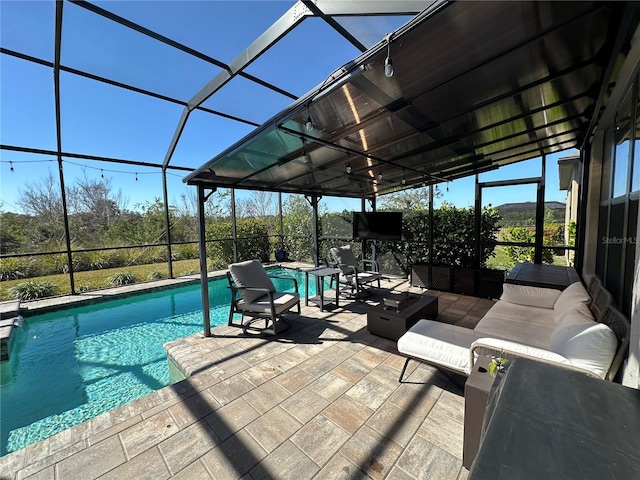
column 104, row 120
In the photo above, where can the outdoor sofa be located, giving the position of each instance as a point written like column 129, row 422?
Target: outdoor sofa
column 576, row 328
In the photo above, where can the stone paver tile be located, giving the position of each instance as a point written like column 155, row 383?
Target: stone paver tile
column 417, row 402
column 188, row 445
column 370, row 393
column 45, row 474
column 194, row 408
column 294, row 379
column 68, row 437
column 320, row 439
column 231, row 418
column 304, row 405
column 289, row 359
column 34, row 453
column 351, row 370
column 261, row 373
column 399, row 474
column 231, row 388
column 422, row 459
column 330, row 386
column 287, row 462
column 195, row 471
column 394, row 423
column 148, row 433
column 339, row 468
column 116, row 428
column 396, row 362
column 451, row 405
column 234, row 457
column 266, row 396
column 347, row 414
column 146, row 466
column 444, row 432
column 93, row 461
column 317, row 365
column 372, row 453
column 43, row 462
column 370, row 357
column 14, row 461
column 385, row 375
column 336, row 353
column 273, row 428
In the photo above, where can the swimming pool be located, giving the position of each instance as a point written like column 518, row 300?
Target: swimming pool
column 72, row 365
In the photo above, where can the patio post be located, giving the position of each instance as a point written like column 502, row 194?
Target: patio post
column 204, row 279
column 234, row 227
column 316, row 238
column 63, row 194
column 167, row 223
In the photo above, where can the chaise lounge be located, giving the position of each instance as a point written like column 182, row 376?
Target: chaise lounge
column 575, row 329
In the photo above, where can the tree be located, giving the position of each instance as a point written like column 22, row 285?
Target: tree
column 94, row 207
column 297, row 223
column 410, row 199
column 42, row 200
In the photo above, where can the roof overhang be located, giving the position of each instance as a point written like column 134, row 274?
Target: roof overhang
column 476, row 85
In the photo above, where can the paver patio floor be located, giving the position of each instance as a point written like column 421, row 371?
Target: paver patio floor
column 321, row 400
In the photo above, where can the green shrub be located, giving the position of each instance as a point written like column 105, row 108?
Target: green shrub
column 32, row 290
column 15, row 268
column 121, row 278
column 156, row 275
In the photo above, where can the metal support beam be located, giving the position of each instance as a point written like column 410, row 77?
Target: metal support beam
column 234, row 225
column 167, row 221
column 313, row 200
column 477, row 247
column 63, row 194
column 539, row 240
column 204, row 279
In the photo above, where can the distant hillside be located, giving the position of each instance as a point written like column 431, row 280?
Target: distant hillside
column 523, row 213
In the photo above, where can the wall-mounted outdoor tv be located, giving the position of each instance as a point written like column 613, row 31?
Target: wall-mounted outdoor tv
column 377, row 225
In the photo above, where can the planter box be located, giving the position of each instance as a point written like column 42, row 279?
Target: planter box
column 484, row 282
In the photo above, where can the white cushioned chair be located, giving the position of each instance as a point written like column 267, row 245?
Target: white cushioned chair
column 258, row 298
column 352, row 275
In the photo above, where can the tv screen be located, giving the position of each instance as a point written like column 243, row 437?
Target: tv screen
column 377, row 225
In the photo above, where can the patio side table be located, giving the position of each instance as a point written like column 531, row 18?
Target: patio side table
column 476, row 392
column 320, row 273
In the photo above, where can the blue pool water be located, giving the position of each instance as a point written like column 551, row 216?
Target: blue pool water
column 69, row 366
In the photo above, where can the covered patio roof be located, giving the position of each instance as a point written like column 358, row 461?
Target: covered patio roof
column 475, row 86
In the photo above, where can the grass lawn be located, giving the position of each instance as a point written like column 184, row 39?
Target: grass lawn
column 96, row 279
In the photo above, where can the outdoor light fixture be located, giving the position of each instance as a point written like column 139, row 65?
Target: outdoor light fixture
column 348, row 169
column 388, row 64
column 309, row 124
column 305, row 157
column 380, row 175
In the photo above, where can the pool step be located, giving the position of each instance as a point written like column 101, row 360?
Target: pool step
column 9, row 320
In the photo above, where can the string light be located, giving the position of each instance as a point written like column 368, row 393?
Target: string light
column 309, row 124
column 11, row 163
column 136, row 176
column 388, row 64
column 349, row 170
column 101, row 173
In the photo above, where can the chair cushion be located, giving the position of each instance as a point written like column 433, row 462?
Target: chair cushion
column 529, row 296
column 282, row 301
column 251, row 274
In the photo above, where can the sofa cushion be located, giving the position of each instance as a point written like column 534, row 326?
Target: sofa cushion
column 530, row 296
column 518, row 323
column 571, row 297
column 251, row 274
column 584, row 342
column 440, row 344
